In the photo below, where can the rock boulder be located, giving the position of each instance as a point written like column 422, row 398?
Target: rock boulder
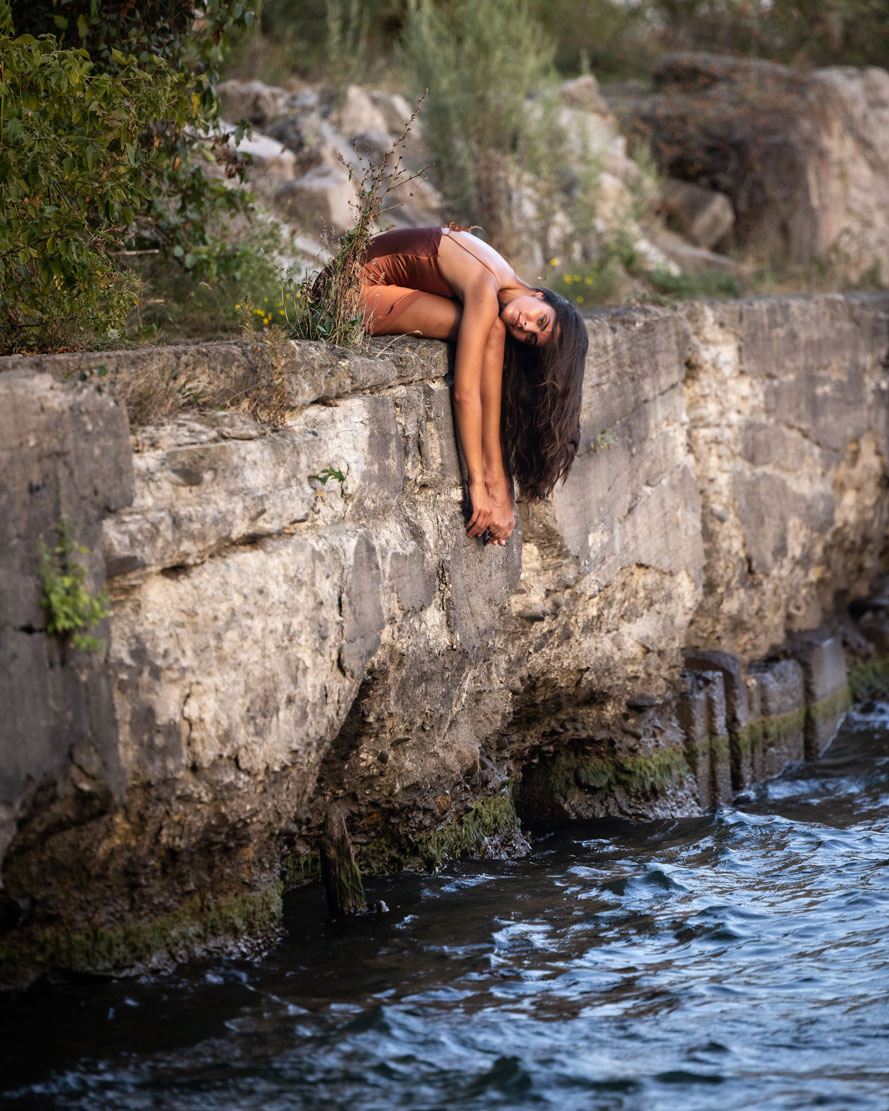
column 801, row 156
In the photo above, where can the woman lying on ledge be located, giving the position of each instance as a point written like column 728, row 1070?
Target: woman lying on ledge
column 524, row 345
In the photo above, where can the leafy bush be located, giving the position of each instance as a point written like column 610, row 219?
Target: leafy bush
column 72, row 176
column 813, row 32
column 100, row 149
column 334, row 41
column 612, row 38
column 686, row 287
column 589, row 284
column 236, row 277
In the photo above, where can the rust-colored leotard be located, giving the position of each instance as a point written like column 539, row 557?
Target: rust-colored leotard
column 401, row 265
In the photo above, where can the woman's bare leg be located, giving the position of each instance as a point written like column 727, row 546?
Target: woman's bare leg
column 426, row 314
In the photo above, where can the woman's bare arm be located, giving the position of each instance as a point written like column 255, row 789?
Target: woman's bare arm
column 499, row 488
column 478, row 374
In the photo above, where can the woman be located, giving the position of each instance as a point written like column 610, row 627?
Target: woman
column 523, row 345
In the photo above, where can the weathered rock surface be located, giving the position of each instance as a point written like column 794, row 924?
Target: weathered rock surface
column 784, row 411
column 703, row 215
column 802, row 157
column 300, row 624
column 64, row 455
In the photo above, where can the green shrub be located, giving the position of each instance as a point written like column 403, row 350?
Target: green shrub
column 105, row 117
column 232, row 283
column 588, row 284
column 479, row 61
column 685, row 287
column 332, row 41
column 72, row 175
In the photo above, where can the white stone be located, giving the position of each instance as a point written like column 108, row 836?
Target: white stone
column 359, row 114
column 325, row 195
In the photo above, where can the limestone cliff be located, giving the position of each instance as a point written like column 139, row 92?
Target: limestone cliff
column 298, row 619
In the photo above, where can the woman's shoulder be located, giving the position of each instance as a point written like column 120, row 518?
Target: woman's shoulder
column 472, row 258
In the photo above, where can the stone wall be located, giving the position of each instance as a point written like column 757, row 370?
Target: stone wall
column 299, row 623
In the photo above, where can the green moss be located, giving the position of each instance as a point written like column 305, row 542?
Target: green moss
column 782, row 727
column 471, row 833
column 651, row 773
column 749, row 740
column 299, row 871
column 595, row 775
column 490, row 819
column 830, row 708
column 385, row 855
column 869, row 681
column 644, row 774
column 198, row 923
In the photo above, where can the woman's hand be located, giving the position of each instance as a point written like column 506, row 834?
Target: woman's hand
column 503, row 511
column 482, row 509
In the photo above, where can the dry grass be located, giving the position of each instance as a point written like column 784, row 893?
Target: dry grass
column 329, row 305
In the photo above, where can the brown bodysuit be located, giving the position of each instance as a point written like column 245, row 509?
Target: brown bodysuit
column 399, row 267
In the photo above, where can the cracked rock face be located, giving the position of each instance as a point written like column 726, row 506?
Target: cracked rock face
column 299, row 620
column 787, row 425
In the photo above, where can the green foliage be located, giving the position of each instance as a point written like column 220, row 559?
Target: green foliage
column 618, row 39
column 188, row 35
column 328, row 473
column 235, row 281
column 810, row 32
column 611, row 38
column 590, row 283
column 72, row 175
column 105, row 117
column 72, row 607
column 479, row 60
column 594, row 283
column 336, row 41
column 614, row 39
column 347, row 24
column 686, row 287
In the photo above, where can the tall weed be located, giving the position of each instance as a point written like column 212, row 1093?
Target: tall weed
column 480, row 60
column 328, row 307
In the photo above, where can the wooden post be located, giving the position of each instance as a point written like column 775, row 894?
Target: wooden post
column 342, row 879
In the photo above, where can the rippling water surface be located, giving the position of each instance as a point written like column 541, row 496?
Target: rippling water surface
column 735, row 961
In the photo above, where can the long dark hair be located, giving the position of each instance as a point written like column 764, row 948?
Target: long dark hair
column 540, row 409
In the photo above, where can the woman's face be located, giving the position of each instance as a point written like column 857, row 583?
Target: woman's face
column 529, row 319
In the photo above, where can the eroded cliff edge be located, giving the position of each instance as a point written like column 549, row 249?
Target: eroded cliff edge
column 672, row 626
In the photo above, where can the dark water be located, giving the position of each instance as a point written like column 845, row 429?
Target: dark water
column 737, row 961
